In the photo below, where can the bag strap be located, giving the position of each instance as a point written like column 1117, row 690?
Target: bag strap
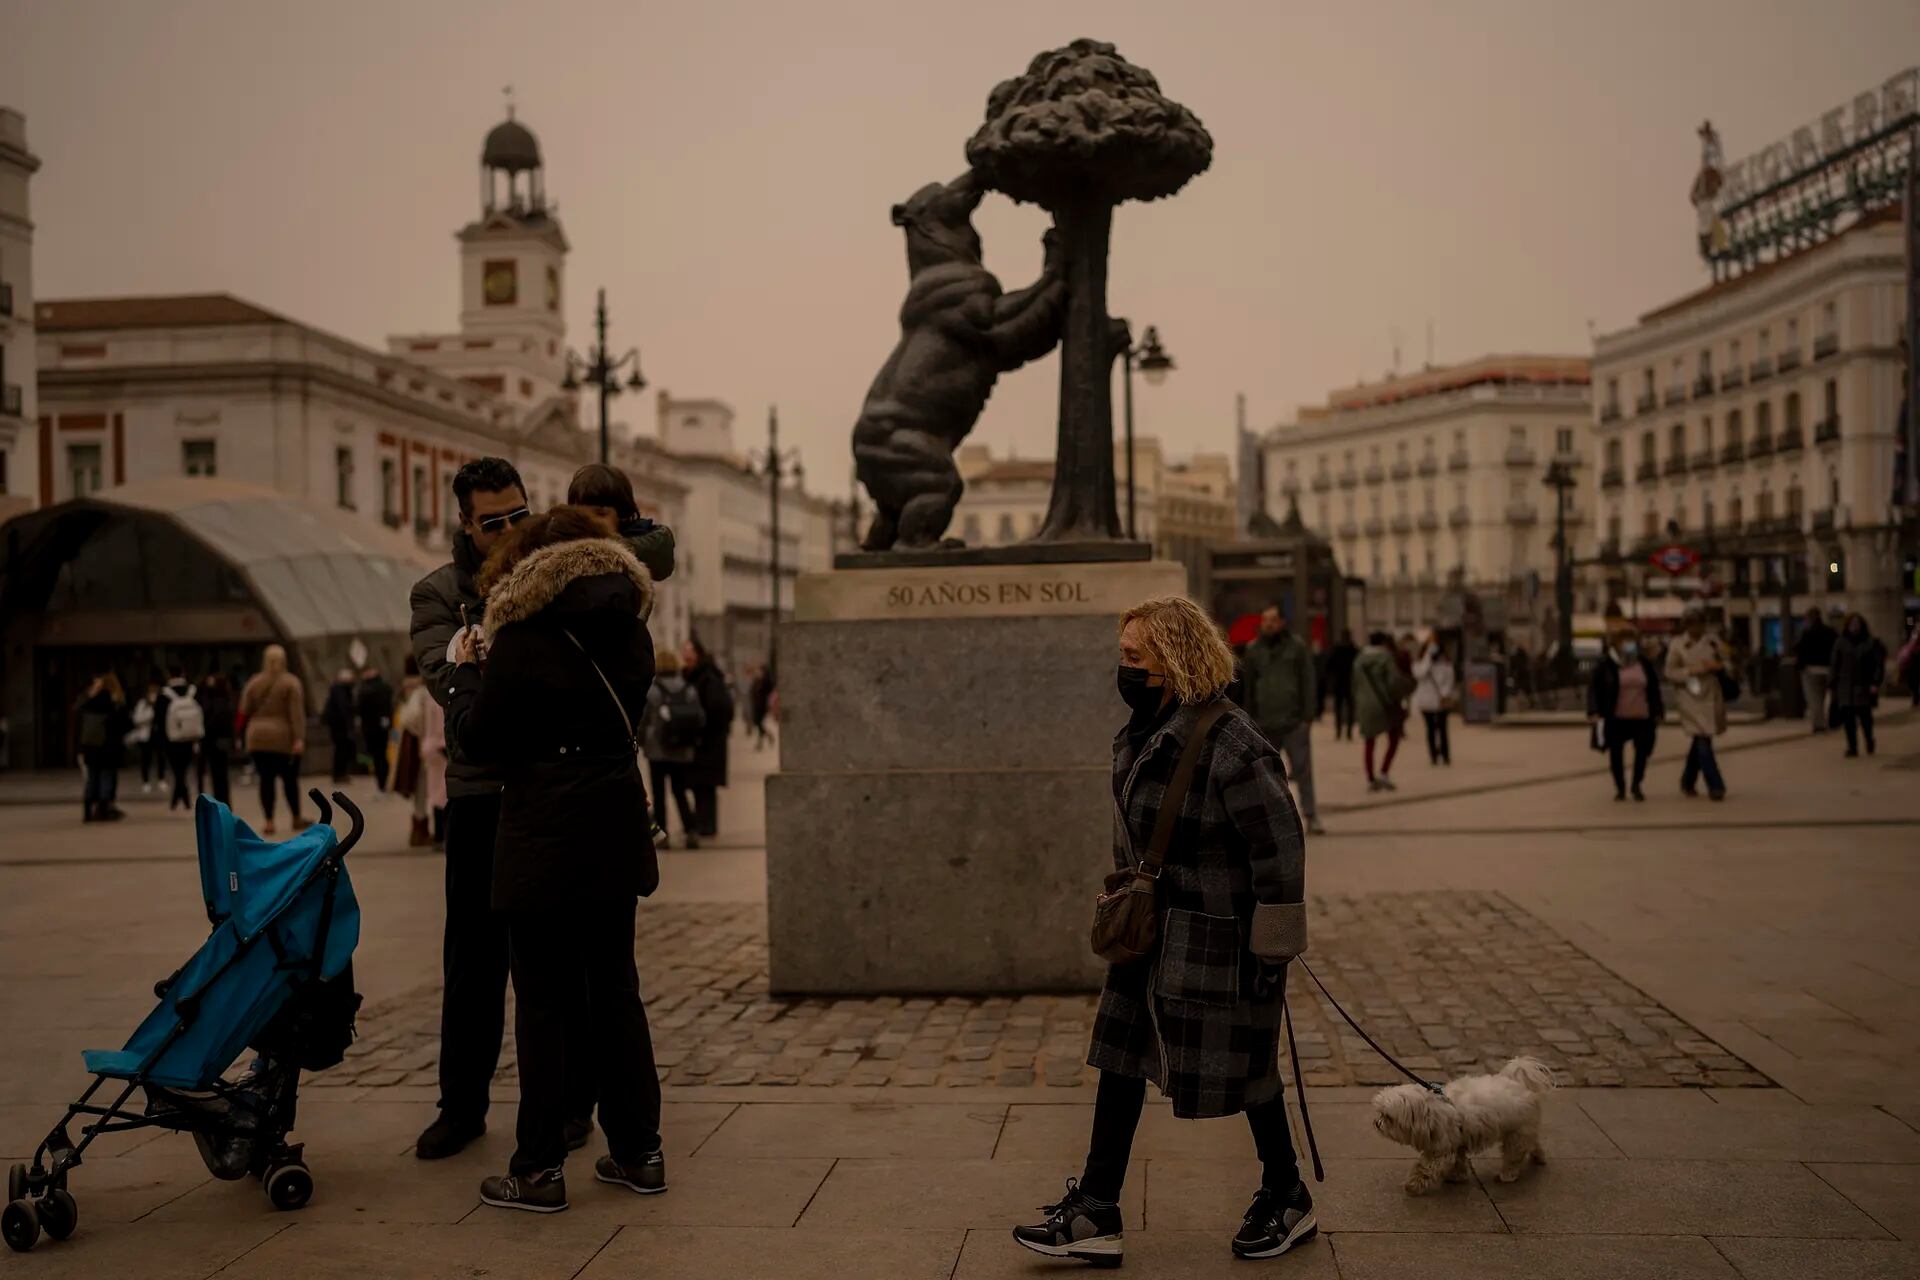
column 618, row 705
column 1176, row 796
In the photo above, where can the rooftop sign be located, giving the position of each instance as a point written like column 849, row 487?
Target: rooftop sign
column 1796, row 192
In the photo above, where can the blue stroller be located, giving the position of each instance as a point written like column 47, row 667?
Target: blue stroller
column 275, row 974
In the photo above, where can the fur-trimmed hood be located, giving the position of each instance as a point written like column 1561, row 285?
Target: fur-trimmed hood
column 538, row 580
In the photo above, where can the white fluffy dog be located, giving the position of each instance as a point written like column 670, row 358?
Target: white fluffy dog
column 1476, row 1112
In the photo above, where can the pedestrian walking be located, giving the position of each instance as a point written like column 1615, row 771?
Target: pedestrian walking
column 373, row 706
column 709, row 770
column 211, row 766
column 1278, row 693
column 1813, row 654
column 1434, row 695
column 181, row 723
column 1340, row 660
column 1859, row 669
column 100, row 732
column 1625, row 705
column 409, row 761
column 1200, row 1015
column 1698, row 665
column 568, row 662
column 1380, row 690
column 275, row 705
column 338, row 715
column 140, row 736
column 674, row 723
column 760, row 704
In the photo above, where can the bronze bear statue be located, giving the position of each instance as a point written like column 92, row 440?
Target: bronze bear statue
column 958, row 334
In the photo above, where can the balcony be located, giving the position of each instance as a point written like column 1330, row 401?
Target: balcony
column 1825, row 345
column 1401, row 471
column 1321, row 482
column 1760, row 370
column 1732, row 378
column 1789, row 360
column 1522, row 512
column 1761, row 447
column 1402, row 524
column 1676, row 395
column 1674, row 466
column 1459, row 518
column 1792, row 439
column 1429, row 521
column 1519, row 455
column 1645, row 403
column 1826, row 431
column 1823, row 521
column 1703, row 460
column 1347, row 479
column 1703, row 386
column 1374, row 473
column 1428, row 466
column 1458, row 460
column 6, row 299
column 1612, row 477
column 1647, row 471
column 1374, row 527
column 1732, row 452
column 1774, row 525
column 1609, row 413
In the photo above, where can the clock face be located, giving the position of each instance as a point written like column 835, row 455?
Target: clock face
column 499, row 283
column 553, row 288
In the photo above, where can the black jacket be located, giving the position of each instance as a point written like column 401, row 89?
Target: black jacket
column 374, row 701
column 1859, row 669
column 106, row 719
column 218, row 708
column 338, row 714
column 716, row 699
column 1340, row 666
column 1814, row 648
column 574, row 824
column 1604, row 690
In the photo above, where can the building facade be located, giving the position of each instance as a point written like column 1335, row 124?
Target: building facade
column 1182, row 508
column 1754, row 424
column 19, row 444
column 1430, row 488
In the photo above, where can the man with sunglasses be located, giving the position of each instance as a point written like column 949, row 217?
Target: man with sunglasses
column 492, row 500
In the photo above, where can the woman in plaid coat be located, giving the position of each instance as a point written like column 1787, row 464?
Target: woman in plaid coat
column 1201, row 1017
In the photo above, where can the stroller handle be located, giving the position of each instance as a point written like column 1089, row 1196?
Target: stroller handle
column 354, row 816
column 320, row 802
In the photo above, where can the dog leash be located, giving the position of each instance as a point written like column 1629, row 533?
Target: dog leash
column 1300, row 1088
column 1394, row 1062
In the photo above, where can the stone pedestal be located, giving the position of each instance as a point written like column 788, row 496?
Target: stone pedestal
column 943, row 812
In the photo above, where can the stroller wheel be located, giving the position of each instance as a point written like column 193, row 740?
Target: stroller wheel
column 20, row 1225
column 59, row 1214
column 289, row 1186
column 16, row 1183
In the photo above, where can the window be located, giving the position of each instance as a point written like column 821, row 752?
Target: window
column 1733, row 510
column 1677, row 442
column 1517, row 488
column 1793, row 334
column 1763, row 421
column 1613, row 529
column 389, row 491
column 1373, row 506
column 343, row 476
column 1033, row 523
column 1766, row 343
column 1829, row 318
column 1646, row 448
column 1517, row 437
column 1430, row 560
column 1376, row 560
column 1403, row 562
column 83, row 469
column 1006, row 526
column 1833, row 488
column 1613, row 395
column 1763, row 507
column 1400, row 451
column 1459, row 441
column 197, row 458
column 1796, row 501
column 1706, row 512
column 1733, row 428
column 1650, row 524
column 1563, row 440
column 1613, row 458
column 421, row 522
column 1791, row 411
column 1706, row 364
column 1426, row 447
column 1426, row 498
column 1646, row 384
column 970, row 529
column 1733, row 354
column 1706, row 434
column 1832, row 400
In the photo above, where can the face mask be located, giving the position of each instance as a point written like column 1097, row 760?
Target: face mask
column 1135, row 691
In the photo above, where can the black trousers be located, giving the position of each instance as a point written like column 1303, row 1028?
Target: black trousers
column 1116, row 1114
column 1438, row 747
column 376, row 745
column 344, row 751
column 180, row 764
column 672, row 776
column 212, row 762
column 557, row 954
column 474, row 965
column 1343, row 720
column 706, row 807
column 1621, row 732
column 1857, row 721
column 275, row 765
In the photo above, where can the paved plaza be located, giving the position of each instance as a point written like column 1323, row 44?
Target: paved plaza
column 1728, row 994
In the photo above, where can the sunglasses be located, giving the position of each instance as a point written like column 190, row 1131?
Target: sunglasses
column 494, row 524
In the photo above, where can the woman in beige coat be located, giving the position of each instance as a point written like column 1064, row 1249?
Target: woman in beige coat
column 275, row 706
column 1695, row 662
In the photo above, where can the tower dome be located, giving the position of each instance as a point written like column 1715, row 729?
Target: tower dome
column 511, row 146
column 509, row 152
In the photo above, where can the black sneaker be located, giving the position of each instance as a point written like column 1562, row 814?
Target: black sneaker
column 649, row 1177
column 1075, row 1229
column 1274, row 1225
column 578, row 1131
column 544, row 1192
column 447, row 1136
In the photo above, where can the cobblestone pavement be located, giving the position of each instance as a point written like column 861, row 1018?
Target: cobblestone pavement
column 1448, row 981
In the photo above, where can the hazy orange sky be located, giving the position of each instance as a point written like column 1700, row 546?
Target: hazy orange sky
column 1510, row 171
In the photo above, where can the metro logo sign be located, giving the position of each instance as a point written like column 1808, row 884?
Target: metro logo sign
column 1674, row 559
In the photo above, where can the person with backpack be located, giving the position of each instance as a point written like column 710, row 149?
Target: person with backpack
column 182, row 723
column 1380, row 690
column 103, row 726
column 674, row 724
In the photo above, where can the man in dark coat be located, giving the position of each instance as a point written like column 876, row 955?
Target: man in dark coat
column 1340, row 682
column 338, row 716
column 1277, row 691
column 1813, row 654
column 492, row 499
column 709, row 772
column 373, row 701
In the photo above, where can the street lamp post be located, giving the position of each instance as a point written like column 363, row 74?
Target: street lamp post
column 1154, row 364
column 776, row 465
column 1560, row 479
column 603, row 373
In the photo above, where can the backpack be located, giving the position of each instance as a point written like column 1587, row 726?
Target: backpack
column 186, row 722
column 682, row 719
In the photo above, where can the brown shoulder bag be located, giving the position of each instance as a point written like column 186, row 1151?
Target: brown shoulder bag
column 1126, row 918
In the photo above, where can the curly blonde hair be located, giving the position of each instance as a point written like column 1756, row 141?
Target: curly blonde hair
column 1187, row 644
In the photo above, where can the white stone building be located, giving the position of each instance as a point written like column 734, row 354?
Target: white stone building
column 1430, row 486
column 20, row 461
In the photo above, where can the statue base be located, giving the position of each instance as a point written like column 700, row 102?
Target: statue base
column 943, row 813
column 1107, row 551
